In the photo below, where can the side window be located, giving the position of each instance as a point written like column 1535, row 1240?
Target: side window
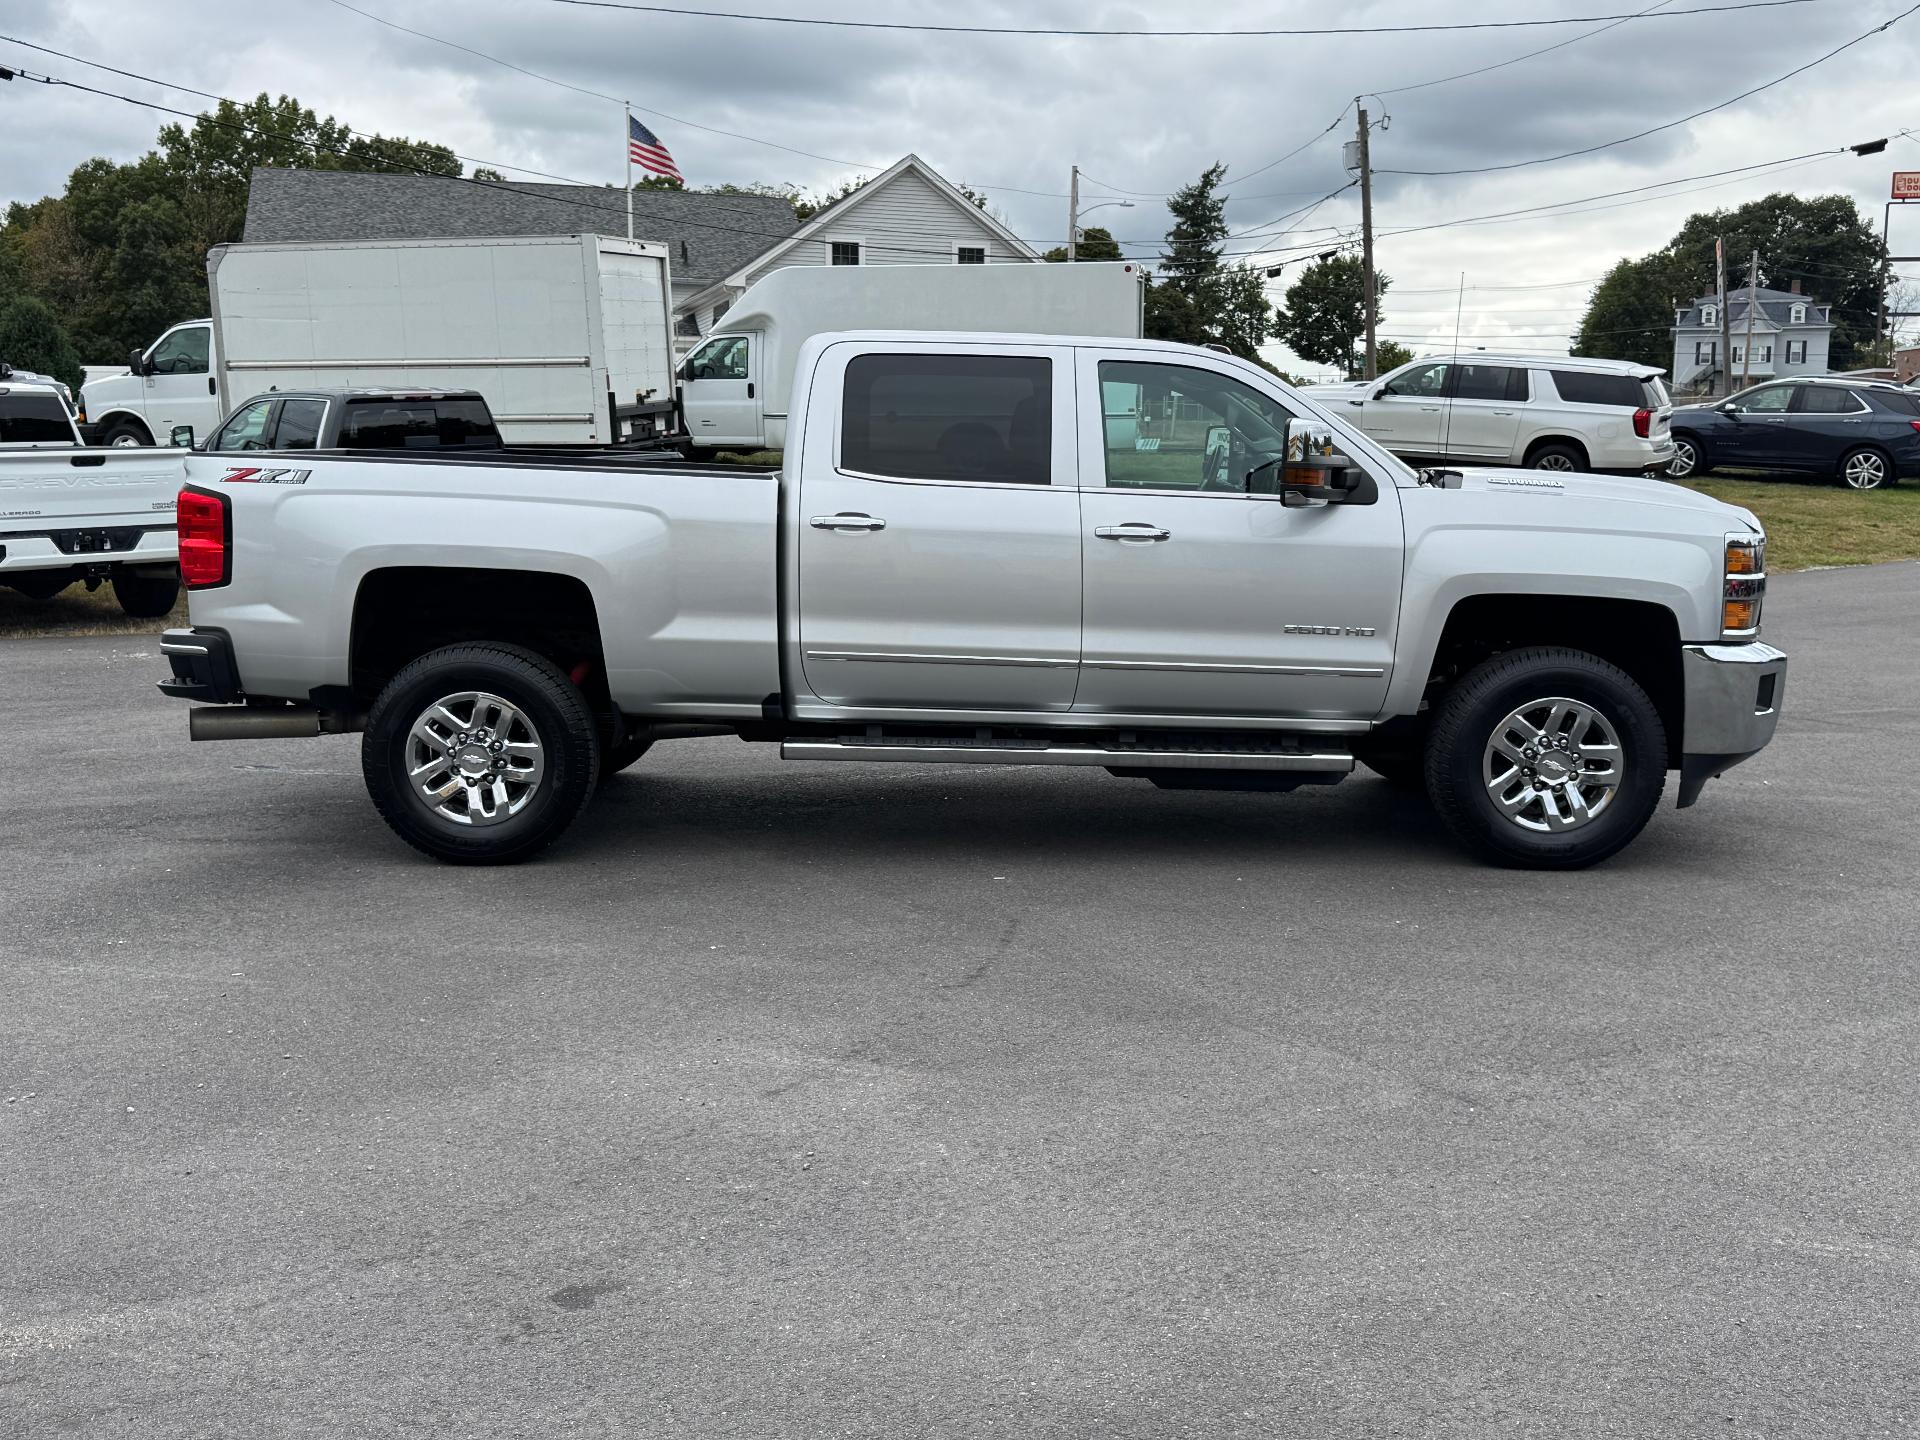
column 299, row 425
column 1480, row 382
column 1592, row 387
column 1177, row 427
column 247, row 430
column 184, row 352
column 722, row 359
column 1828, row 400
column 1519, row 386
column 969, row 254
column 1425, row 382
column 1766, row 399
column 843, row 252
column 949, row 417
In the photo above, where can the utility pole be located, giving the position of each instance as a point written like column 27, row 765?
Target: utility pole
column 1726, row 323
column 1073, row 215
column 1753, row 302
column 1366, row 247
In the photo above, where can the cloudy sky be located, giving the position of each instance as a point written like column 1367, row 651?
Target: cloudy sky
column 1010, row 114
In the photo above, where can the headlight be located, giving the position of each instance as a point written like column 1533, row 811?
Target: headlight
column 1745, row 585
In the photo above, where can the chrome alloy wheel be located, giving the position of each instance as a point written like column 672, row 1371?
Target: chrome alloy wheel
column 1553, row 765
column 125, row 441
column 1554, row 461
column 1865, row 470
column 1685, row 457
column 475, row 758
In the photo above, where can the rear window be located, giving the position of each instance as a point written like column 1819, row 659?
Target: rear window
column 1588, row 387
column 34, row 418
column 949, row 417
column 1899, row 400
column 417, row 425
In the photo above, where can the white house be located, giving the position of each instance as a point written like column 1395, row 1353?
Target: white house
column 1791, row 332
column 909, row 214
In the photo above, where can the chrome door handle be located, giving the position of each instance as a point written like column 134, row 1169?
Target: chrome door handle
column 846, row 522
column 1133, row 530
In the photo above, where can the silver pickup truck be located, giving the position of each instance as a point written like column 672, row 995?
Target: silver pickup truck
column 989, row 549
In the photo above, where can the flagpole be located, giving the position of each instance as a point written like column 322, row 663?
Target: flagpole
column 626, row 140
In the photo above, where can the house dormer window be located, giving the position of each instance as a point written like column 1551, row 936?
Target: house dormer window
column 1797, row 315
column 1709, row 314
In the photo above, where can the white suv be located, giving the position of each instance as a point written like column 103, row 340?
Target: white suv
column 1550, row 414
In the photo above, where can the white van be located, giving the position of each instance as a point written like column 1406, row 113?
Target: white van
column 734, row 386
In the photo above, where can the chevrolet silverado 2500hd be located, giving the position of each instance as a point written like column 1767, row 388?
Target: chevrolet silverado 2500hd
column 993, row 549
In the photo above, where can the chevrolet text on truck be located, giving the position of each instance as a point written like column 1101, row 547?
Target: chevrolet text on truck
column 966, row 559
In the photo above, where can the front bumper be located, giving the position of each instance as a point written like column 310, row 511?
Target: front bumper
column 1733, row 697
column 203, row 667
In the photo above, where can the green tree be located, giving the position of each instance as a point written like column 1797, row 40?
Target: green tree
column 1389, row 355
column 1630, row 315
column 32, row 339
column 1096, row 243
column 1195, row 298
column 659, row 182
column 1324, row 317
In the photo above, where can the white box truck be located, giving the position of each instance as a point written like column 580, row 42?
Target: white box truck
column 569, row 337
column 734, row 386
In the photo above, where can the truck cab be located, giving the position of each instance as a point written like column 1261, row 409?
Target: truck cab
column 173, row 381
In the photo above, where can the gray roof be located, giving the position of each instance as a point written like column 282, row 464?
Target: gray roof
column 1775, row 305
column 709, row 235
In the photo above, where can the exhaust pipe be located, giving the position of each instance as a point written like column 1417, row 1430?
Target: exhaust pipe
column 260, row 722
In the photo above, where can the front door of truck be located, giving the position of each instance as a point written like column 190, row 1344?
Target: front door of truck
column 937, row 537
column 179, row 382
column 721, row 393
column 1204, row 599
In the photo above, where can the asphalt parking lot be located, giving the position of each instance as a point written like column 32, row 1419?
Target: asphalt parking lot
column 793, row 1100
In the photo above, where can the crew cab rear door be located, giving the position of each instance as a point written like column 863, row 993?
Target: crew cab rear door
column 1202, row 598
column 938, row 533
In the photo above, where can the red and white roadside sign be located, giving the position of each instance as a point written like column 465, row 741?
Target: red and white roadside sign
column 1906, row 184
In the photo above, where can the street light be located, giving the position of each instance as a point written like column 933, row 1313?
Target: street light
column 1073, row 233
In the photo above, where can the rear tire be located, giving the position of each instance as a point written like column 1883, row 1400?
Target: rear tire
column 1689, row 458
column 1557, row 457
column 456, row 716
column 1865, row 468
column 1557, row 801
column 146, row 597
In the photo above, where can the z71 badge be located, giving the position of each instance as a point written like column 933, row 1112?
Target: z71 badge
column 255, row 475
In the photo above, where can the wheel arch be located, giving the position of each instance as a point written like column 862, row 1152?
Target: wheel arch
column 402, row 612
column 112, row 418
column 1642, row 637
column 1542, row 442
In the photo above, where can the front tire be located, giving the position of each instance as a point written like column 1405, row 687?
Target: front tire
column 1865, row 469
column 146, row 597
column 1546, row 759
column 480, row 754
column 1689, row 458
column 126, row 433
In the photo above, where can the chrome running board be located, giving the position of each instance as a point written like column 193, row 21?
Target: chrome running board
column 923, row 752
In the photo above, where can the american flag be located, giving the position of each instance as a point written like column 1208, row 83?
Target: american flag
column 646, row 151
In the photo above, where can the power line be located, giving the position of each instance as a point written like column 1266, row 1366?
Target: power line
column 1530, row 55
column 1669, row 125
column 1088, row 33
column 209, row 95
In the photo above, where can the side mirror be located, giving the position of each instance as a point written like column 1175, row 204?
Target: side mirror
column 137, row 361
column 181, row 437
column 1316, row 480
column 1727, row 407
column 1215, row 455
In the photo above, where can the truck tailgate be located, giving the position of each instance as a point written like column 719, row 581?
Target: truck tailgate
column 49, row 497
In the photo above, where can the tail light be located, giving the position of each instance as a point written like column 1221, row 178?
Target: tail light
column 206, row 539
column 1745, row 585
column 1915, row 424
column 1642, row 422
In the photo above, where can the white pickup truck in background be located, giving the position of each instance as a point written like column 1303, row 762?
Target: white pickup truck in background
column 73, row 515
column 735, row 385
column 569, row 337
column 963, row 562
